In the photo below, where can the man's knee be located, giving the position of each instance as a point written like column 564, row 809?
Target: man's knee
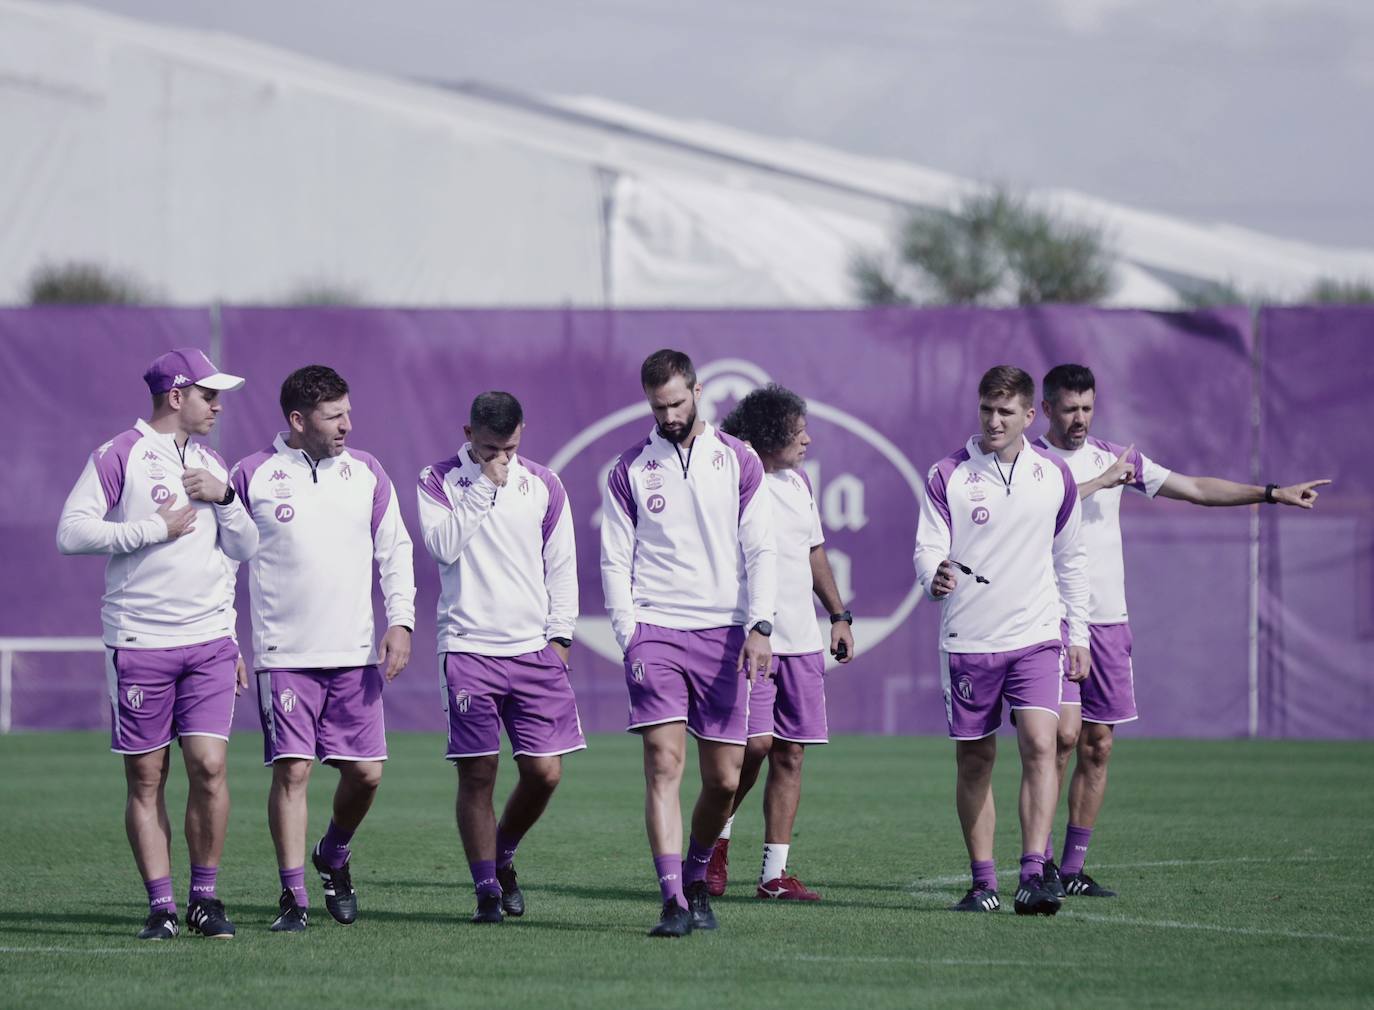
column 1066, row 741
column 757, row 748
column 292, row 774
column 786, row 757
column 721, row 778
column 975, row 758
column 206, row 770
column 542, row 773
column 1095, row 749
column 362, row 774
column 145, row 774
column 478, row 774
column 663, row 762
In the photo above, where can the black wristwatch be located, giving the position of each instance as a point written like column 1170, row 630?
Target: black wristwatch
column 229, row 495
column 1269, row 490
column 764, row 628
column 843, row 615
column 560, row 640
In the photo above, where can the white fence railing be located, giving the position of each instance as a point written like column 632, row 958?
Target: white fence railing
column 10, row 646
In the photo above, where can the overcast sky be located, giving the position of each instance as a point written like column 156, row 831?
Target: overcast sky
column 1257, row 112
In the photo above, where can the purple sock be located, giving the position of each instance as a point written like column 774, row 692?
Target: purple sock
column 333, row 847
column 160, row 895
column 505, row 847
column 1032, row 863
column 984, row 871
column 669, row 870
column 294, row 881
column 484, row 877
column 202, row 882
column 1049, row 848
column 698, row 858
column 1076, row 841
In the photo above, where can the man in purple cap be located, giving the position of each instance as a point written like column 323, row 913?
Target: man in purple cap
column 500, row 528
column 689, row 572
column 324, row 512
column 159, row 504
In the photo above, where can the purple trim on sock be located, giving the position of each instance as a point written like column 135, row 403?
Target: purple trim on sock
column 669, row 870
column 333, row 847
column 984, row 871
column 1032, row 863
column 160, row 895
column 293, row 880
column 505, row 848
column 698, row 858
column 1076, row 841
column 203, row 880
column 484, row 877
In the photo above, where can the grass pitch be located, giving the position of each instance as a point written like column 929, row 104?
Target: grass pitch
column 1244, row 867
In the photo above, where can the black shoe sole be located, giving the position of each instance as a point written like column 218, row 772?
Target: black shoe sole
column 343, row 918
column 1046, row 906
column 513, row 905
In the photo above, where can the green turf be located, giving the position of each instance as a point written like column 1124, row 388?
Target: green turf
column 1245, row 870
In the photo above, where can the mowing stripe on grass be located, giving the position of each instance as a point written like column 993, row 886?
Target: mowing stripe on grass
column 77, row 950
column 939, row 883
column 1287, row 934
column 953, row 962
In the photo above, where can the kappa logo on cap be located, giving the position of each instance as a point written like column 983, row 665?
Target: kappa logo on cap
column 288, row 700
column 180, row 380
column 134, row 696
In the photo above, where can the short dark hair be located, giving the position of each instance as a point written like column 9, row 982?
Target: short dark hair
column 1007, row 380
column 1071, row 378
column 306, row 388
column 766, row 418
column 660, row 367
column 496, row 412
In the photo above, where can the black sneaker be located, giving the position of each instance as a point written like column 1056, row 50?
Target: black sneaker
column 1034, row 898
column 699, row 904
column 1053, row 882
column 488, row 907
column 339, row 897
column 206, row 917
column 160, row 926
column 512, row 898
column 291, row 918
column 981, row 897
column 674, row 921
column 1080, row 885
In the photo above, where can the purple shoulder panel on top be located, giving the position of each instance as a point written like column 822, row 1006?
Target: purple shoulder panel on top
column 1137, row 463
column 806, row 480
column 432, row 480
column 110, row 460
column 1070, row 491
column 241, row 476
column 558, row 498
column 937, row 484
column 619, row 480
column 750, row 470
column 213, row 455
column 381, row 493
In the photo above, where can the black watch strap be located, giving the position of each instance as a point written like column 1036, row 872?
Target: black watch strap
column 1269, row 490
column 843, row 615
column 560, row 640
column 229, row 495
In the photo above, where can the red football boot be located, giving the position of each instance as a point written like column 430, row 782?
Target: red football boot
column 786, row 888
column 717, row 870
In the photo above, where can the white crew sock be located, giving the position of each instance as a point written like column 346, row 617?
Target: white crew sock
column 774, row 861
column 725, row 831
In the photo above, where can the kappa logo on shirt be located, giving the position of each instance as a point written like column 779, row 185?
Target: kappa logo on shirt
column 279, row 475
column 134, row 696
column 150, row 454
column 653, row 464
column 464, row 482
column 973, row 478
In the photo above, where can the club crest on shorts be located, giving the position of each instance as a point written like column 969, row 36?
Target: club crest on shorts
column 134, row 696
column 637, row 671
column 980, row 515
column 288, row 700
column 965, row 688
column 160, row 494
column 462, row 701
column 284, row 513
column 656, row 503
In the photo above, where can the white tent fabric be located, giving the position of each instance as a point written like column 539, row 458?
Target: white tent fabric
column 219, row 169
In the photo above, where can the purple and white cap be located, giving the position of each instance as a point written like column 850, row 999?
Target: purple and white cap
column 187, row 366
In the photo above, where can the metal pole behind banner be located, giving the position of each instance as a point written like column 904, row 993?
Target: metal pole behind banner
column 1256, row 434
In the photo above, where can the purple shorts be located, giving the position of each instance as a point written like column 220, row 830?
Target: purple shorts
column 1108, row 695
column 1071, row 694
column 157, row 695
column 677, row 676
column 530, row 694
column 790, row 702
column 976, row 682
column 333, row 715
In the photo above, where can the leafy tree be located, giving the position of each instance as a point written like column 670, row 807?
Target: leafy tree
column 83, row 283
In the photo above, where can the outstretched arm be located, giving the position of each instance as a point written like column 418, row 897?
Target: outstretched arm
column 1216, row 491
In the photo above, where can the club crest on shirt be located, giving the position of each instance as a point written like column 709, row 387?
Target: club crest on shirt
column 977, row 494
column 156, row 471
column 718, row 459
column 1097, row 459
column 281, row 491
column 160, row 494
column 637, row 671
column 965, row 688
column 1038, row 471
column 524, row 485
column 284, row 513
column 654, row 481
column 656, row 503
column 288, row 700
column 134, row 696
column 980, row 515
column 346, row 470
column 462, row 701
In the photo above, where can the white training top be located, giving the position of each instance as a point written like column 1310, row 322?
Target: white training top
column 1020, row 530
column 321, row 524
column 1102, row 520
column 507, row 556
column 686, row 539
column 796, row 529
column 159, row 593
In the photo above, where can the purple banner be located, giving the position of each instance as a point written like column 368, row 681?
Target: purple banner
column 889, row 393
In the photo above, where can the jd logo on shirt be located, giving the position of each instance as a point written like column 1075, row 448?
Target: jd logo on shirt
column 160, row 494
column 284, row 513
column 656, row 503
column 980, row 515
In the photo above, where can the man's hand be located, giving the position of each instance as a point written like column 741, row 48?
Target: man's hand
column 240, row 677
column 394, row 652
column 842, row 634
column 179, row 521
column 562, row 652
column 756, row 656
column 1120, row 472
column 1304, row 496
column 1080, row 662
column 202, row 485
column 497, row 469
column 946, row 578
